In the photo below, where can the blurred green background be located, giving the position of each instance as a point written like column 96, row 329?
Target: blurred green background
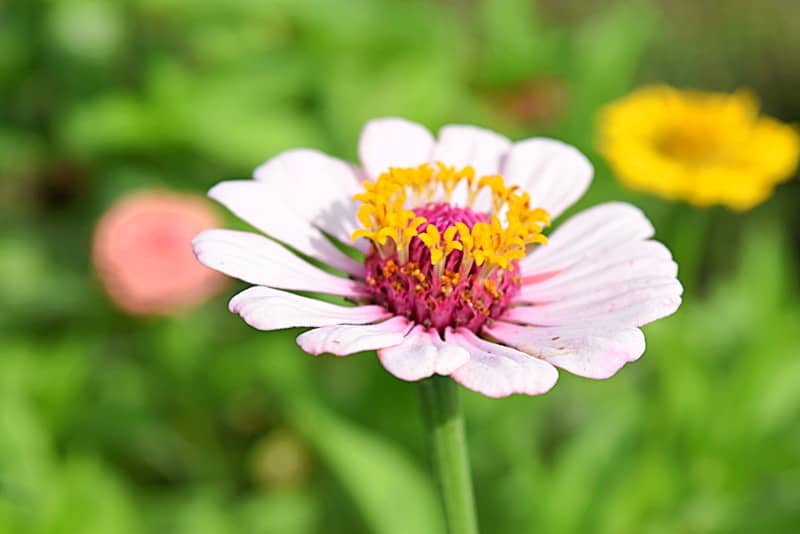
column 198, row 424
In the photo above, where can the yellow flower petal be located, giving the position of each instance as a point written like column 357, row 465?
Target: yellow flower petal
column 703, row 148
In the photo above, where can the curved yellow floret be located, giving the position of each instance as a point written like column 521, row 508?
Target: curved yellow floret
column 389, row 221
column 703, row 148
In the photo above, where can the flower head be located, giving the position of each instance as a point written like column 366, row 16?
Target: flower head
column 454, row 275
column 141, row 251
column 704, row 148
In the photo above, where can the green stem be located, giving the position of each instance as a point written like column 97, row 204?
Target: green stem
column 445, row 428
column 690, row 244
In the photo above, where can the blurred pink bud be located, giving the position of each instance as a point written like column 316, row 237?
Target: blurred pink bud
column 142, row 251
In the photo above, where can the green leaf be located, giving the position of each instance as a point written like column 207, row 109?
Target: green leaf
column 390, row 490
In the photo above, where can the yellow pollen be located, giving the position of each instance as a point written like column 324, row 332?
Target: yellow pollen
column 389, row 222
column 491, row 287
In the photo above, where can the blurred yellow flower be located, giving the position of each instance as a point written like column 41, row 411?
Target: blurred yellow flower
column 704, row 148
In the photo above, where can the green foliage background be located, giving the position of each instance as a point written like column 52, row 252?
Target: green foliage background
column 198, row 424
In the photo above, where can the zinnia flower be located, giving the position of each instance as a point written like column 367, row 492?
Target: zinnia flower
column 142, row 252
column 703, row 148
column 454, row 275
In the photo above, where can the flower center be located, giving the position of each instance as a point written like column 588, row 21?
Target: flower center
column 436, row 262
column 692, row 145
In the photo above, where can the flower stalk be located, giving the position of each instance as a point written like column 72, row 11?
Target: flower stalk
column 444, row 424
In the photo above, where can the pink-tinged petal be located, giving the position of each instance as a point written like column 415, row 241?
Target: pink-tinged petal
column 460, row 145
column 498, row 371
column 449, row 358
column 635, row 261
column 422, row 354
column 598, row 230
column 261, row 261
column 598, row 265
column 555, row 174
column 343, row 340
column 271, row 309
column 259, row 205
column 316, row 186
column 632, row 306
column 599, row 288
column 596, row 350
column 393, row 142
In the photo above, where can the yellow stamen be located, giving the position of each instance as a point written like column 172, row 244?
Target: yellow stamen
column 389, row 221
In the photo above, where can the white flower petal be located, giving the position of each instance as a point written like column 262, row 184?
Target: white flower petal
column 596, row 350
column 261, row 261
column 271, row 309
column 632, row 306
column 318, row 187
column 257, row 204
column 450, row 357
column 422, row 354
column 598, row 265
column 343, row 340
column 498, row 371
column 461, row 145
column 393, row 142
column 598, row 230
column 555, row 174
column 599, row 288
column 610, row 273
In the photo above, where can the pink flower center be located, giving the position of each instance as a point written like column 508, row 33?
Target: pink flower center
column 450, row 292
